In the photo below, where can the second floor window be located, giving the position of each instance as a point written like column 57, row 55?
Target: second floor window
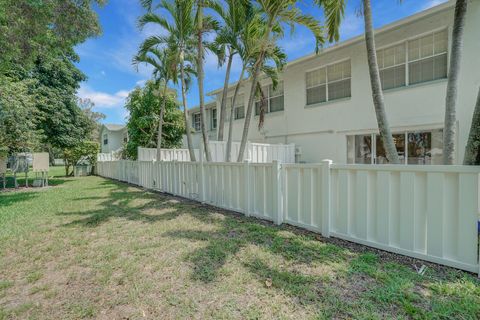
column 239, row 108
column 214, row 118
column 105, row 139
column 391, row 62
column 329, row 83
column 414, row 61
column 274, row 99
column 196, row 121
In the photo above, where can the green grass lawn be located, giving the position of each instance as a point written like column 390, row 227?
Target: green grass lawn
column 94, row 248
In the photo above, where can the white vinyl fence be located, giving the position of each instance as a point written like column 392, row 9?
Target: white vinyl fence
column 149, row 154
column 255, row 152
column 112, row 156
column 426, row 212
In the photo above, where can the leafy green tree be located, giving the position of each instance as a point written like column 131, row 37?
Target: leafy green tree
column 31, row 28
column 163, row 72
column 18, row 113
column 60, row 118
column 95, row 117
column 85, row 150
column 144, row 105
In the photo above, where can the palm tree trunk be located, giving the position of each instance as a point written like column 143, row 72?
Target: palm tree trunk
column 160, row 123
column 200, row 76
column 377, row 93
column 185, row 114
column 223, row 106
column 232, row 111
column 449, row 135
column 472, row 150
column 248, row 115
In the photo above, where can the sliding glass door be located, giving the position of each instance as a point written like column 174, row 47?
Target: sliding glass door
column 413, row 147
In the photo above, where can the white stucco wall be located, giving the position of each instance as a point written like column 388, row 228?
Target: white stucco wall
column 115, row 140
column 321, row 130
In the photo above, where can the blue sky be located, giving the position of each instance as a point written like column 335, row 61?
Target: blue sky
column 106, row 60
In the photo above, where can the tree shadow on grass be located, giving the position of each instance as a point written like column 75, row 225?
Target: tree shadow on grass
column 52, row 182
column 10, row 198
column 236, row 232
column 126, row 202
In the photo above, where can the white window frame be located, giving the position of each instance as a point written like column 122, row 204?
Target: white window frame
column 213, row 124
column 327, row 82
column 405, row 132
column 105, row 139
column 269, row 97
column 407, row 61
column 194, row 121
column 240, row 104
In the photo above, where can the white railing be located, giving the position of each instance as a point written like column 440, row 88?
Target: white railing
column 426, row 212
column 255, row 153
column 112, row 156
column 149, row 154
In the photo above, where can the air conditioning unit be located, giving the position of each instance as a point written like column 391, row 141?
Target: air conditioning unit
column 298, row 154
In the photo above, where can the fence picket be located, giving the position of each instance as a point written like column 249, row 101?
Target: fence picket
column 428, row 212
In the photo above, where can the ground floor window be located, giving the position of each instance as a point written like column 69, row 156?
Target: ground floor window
column 413, row 147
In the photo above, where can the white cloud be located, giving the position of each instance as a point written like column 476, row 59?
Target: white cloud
column 103, row 100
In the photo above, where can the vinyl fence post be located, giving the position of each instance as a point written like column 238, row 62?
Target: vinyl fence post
column 277, row 189
column 174, row 177
column 246, row 180
column 201, row 182
column 326, row 197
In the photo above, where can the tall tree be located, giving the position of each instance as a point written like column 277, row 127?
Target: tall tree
column 449, row 136
column 95, row 117
column 472, row 150
column 29, row 29
column 249, row 49
column 235, row 17
column 275, row 13
column 180, row 40
column 18, row 115
column 200, row 77
column 144, row 104
column 377, row 93
column 162, row 72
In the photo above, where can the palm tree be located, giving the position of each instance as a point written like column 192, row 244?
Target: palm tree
column 200, row 30
column 449, row 135
column 162, row 72
column 180, row 41
column 249, row 48
column 235, row 16
column 472, row 150
column 377, row 93
column 275, row 13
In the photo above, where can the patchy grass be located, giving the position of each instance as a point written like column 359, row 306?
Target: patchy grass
column 93, row 248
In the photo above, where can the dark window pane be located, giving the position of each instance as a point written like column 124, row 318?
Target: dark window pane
column 381, row 156
column 276, row 104
column 363, row 149
column 339, row 90
column 393, row 77
column 316, row 95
